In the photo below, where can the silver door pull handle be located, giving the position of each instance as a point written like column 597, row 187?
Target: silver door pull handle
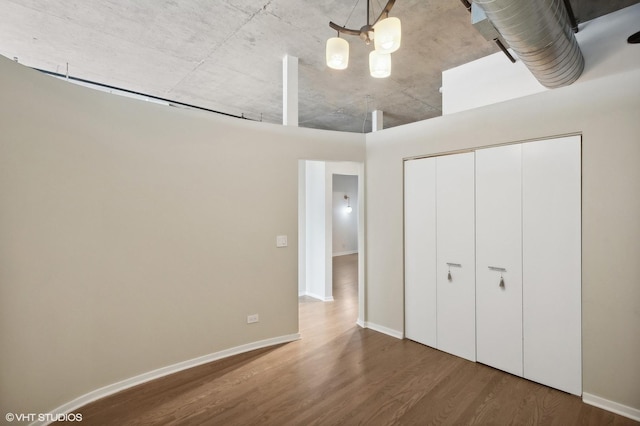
column 501, row 270
column 450, row 264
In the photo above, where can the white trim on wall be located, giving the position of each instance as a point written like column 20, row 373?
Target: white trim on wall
column 361, row 243
column 316, row 296
column 97, row 394
column 614, row 407
column 344, row 253
column 384, row 330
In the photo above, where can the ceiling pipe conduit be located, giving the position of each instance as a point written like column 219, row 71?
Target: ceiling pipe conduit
column 540, row 33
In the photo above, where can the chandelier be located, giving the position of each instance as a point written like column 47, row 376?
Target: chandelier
column 385, row 33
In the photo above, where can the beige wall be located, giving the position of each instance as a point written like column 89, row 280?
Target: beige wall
column 134, row 236
column 606, row 111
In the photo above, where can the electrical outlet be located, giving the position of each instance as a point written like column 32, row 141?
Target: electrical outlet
column 252, row 318
column 281, row 241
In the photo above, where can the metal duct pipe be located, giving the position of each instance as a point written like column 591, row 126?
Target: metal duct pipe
column 540, row 33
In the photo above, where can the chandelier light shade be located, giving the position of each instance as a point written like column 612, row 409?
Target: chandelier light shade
column 387, row 35
column 337, row 53
column 379, row 64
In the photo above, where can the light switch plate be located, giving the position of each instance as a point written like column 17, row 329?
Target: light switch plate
column 281, row 241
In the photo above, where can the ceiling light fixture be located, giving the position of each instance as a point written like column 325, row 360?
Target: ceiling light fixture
column 379, row 64
column 386, row 33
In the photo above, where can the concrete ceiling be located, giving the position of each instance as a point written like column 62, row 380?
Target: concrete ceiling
column 226, row 55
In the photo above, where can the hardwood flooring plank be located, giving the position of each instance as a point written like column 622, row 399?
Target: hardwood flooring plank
column 341, row 374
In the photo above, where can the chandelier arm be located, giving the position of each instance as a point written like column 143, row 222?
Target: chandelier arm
column 385, row 12
column 344, row 29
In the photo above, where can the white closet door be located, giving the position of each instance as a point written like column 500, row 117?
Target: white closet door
column 499, row 245
column 551, row 263
column 455, row 235
column 420, row 250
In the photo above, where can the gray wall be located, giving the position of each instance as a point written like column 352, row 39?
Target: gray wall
column 134, row 236
column 604, row 106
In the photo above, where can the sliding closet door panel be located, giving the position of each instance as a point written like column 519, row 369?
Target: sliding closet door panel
column 455, row 205
column 552, row 263
column 499, row 258
column 420, row 250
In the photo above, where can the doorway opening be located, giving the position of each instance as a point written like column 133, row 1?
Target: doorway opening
column 326, row 227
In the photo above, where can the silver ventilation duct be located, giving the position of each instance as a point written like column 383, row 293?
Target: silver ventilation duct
column 539, row 32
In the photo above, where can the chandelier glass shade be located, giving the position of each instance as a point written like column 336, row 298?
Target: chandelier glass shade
column 379, row 64
column 337, row 53
column 386, row 34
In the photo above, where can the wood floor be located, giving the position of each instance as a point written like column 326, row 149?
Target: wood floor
column 339, row 373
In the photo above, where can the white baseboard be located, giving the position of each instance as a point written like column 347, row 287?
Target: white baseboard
column 360, row 323
column 382, row 329
column 614, row 407
column 85, row 399
column 315, row 296
column 344, row 253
